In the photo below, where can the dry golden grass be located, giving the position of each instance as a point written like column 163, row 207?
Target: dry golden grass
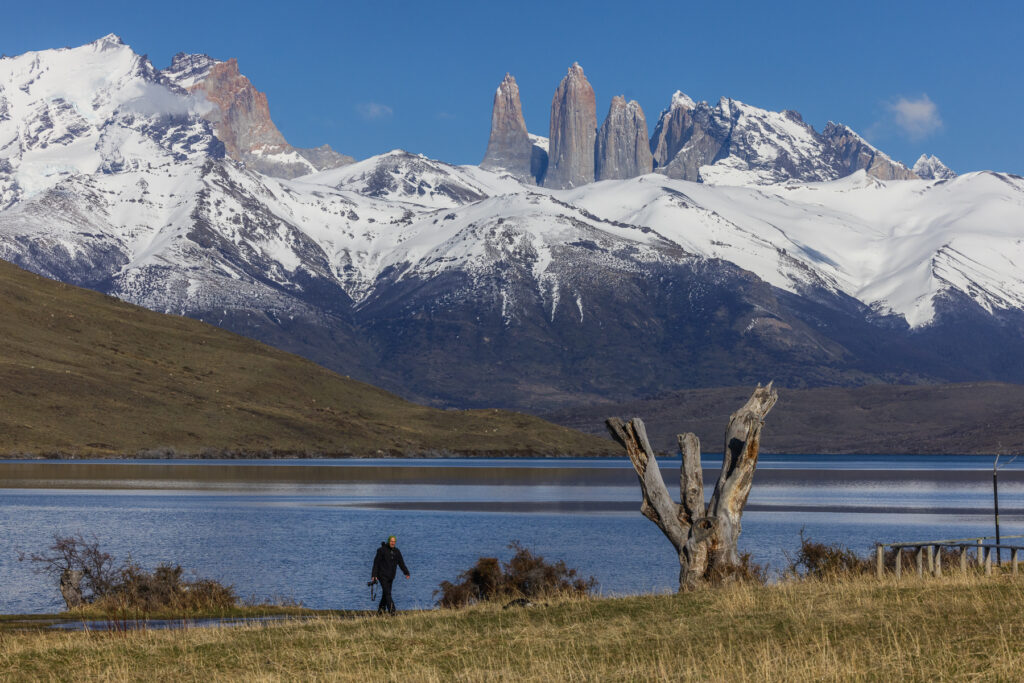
column 956, row 627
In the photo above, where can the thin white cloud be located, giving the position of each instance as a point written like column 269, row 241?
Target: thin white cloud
column 918, row 118
column 373, row 111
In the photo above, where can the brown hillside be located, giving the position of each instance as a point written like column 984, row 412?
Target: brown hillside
column 85, row 374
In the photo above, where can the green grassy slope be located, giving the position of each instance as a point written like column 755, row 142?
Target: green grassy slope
column 84, row 374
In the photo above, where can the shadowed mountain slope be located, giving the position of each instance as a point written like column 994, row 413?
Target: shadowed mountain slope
column 961, row 418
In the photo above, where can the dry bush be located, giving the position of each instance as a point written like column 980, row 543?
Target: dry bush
column 164, row 588
column 76, row 554
column 746, row 571
column 818, row 560
column 525, row 575
column 108, row 586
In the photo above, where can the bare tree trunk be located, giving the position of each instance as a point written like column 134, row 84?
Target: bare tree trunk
column 71, row 588
column 705, row 538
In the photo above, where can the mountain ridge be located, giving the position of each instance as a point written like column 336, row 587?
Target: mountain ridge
column 424, row 276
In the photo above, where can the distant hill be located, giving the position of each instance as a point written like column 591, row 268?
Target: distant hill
column 963, row 418
column 83, row 374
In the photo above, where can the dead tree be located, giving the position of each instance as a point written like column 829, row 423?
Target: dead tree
column 704, row 537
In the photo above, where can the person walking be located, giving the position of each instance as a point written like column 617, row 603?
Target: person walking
column 385, row 565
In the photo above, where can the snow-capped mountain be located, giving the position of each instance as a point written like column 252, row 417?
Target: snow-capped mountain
column 466, row 287
column 241, row 118
column 930, row 167
column 99, row 108
column 734, row 143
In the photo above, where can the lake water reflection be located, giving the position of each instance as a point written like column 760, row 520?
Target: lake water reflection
column 307, row 530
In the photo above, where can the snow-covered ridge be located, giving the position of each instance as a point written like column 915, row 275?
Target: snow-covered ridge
column 109, row 174
column 86, row 110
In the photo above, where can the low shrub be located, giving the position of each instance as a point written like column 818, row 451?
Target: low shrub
column 818, row 560
column 105, row 585
column 747, row 571
column 525, row 575
column 165, row 588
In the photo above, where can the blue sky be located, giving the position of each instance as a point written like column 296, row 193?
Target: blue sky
column 913, row 77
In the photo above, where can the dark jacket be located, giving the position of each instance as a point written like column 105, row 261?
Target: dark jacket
column 386, row 563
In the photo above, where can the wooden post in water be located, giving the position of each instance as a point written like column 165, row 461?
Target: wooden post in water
column 920, row 560
column 880, row 560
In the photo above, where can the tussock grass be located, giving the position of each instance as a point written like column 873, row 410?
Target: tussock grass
column 958, row 626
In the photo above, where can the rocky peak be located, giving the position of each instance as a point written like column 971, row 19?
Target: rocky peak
column 573, row 132
column 186, row 70
column 622, row 149
column 241, row 118
column 509, row 149
column 673, row 130
column 111, row 41
column 681, row 100
column 931, row 168
column 850, row 152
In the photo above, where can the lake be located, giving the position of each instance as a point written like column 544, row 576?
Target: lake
column 306, row 530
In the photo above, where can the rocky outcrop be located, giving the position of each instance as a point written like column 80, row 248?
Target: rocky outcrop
column 623, row 150
column 735, row 143
column 849, row 152
column 538, row 158
column 931, row 168
column 241, row 119
column 241, row 115
column 675, row 128
column 509, row 149
column 573, row 132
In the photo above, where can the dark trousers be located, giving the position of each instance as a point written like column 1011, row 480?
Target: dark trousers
column 386, row 603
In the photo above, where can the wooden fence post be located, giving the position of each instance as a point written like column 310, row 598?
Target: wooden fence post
column 937, row 571
column 899, row 561
column 880, row 560
column 981, row 554
column 1015, row 551
column 931, row 559
column 988, row 562
column 963, row 559
column 920, row 560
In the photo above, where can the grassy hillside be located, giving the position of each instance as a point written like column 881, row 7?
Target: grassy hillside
column 959, row 627
column 84, row 374
column 968, row 418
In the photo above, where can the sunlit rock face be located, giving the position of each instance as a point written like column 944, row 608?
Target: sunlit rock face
column 241, row 118
column 509, row 149
column 573, row 132
column 622, row 149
